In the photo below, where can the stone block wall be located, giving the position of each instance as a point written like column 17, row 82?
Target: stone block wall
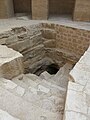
column 40, row 9
column 26, row 40
column 55, row 42
column 6, row 9
column 82, row 10
column 61, row 6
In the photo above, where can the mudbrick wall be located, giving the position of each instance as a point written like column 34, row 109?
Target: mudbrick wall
column 72, row 42
column 45, row 42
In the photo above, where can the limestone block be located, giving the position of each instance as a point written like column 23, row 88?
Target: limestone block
column 10, row 62
column 41, row 93
column 12, row 87
column 71, row 115
column 54, row 54
column 81, row 71
column 50, row 44
column 22, row 109
column 6, row 116
column 79, row 99
column 45, row 75
column 49, row 33
column 24, row 44
column 34, row 54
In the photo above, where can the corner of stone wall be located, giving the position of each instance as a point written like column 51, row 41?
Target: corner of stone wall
column 77, row 106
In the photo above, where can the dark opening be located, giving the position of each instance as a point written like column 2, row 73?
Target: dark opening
column 22, row 8
column 52, row 69
column 61, row 8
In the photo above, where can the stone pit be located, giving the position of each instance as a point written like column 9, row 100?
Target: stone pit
column 44, row 71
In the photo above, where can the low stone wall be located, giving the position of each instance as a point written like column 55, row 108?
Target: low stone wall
column 78, row 95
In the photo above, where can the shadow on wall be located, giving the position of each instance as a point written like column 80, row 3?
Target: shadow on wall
column 22, row 6
column 61, row 7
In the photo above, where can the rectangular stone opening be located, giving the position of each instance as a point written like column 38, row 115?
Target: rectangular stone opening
column 22, row 8
column 61, row 8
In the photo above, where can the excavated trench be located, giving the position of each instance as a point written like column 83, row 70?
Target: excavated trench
column 50, row 61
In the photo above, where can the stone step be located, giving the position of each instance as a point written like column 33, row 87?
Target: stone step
column 24, row 110
column 36, row 82
column 6, row 116
column 41, row 97
column 45, row 75
column 10, row 62
column 61, row 78
column 12, row 87
column 40, row 92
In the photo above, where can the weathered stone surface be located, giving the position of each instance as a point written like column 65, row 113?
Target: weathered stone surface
column 10, row 62
column 22, row 109
column 50, row 44
column 45, row 75
column 42, row 12
column 82, row 10
column 42, row 93
column 79, row 91
column 49, row 33
column 6, row 9
column 6, row 116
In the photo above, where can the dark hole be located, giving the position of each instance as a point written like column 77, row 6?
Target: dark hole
column 52, row 69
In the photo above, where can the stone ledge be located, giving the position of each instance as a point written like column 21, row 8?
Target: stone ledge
column 10, row 62
column 77, row 105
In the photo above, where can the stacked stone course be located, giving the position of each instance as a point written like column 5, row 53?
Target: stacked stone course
column 47, row 40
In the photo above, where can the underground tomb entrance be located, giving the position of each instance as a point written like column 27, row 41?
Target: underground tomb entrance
column 51, row 69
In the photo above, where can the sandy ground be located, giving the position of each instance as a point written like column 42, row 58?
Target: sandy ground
column 7, row 24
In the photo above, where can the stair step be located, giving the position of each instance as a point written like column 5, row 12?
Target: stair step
column 61, row 78
column 42, row 85
column 22, row 109
column 42, row 92
column 36, row 96
column 45, row 75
